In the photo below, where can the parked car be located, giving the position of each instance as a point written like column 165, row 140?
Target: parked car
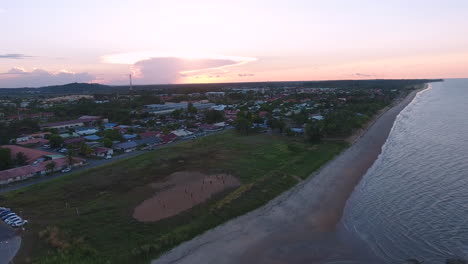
column 46, row 146
column 108, row 157
column 13, row 219
column 64, row 150
column 66, row 170
column 8, row 215
column 19, row 223
column 2, row 214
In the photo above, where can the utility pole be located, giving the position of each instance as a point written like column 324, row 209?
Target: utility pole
column 130, row 78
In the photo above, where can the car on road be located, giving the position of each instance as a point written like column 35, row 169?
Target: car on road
column 66, row 170
column 108, row 157
column 46, row 146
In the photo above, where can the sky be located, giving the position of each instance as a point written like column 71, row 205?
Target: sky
column 52, row 42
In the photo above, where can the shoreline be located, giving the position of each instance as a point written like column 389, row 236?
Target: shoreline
column 275, row 233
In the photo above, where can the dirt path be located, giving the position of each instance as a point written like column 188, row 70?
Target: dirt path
column 293, row 227
column 182, row 191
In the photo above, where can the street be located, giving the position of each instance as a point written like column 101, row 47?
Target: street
column 90, row 164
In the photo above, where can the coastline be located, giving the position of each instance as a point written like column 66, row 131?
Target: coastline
column 285, row 229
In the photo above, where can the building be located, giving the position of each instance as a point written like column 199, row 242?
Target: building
column 80, row 122
column 103, row 152
column 86, row 131
column 215, row 94
column 126, row 146
column 64, row 124
column 181, row 133
column 31, row 154
column 149, row 142
column 168, row 138
column 92, row 137
column 210, row 128
column 149, row 134
column 34, row 141
column 28, row 171
column 161, row 109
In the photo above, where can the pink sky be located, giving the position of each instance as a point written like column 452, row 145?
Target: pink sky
column 54, row 42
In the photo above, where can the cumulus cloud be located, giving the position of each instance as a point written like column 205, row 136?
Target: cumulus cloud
column 172, row 69
column 19, row 77
column 13, row 56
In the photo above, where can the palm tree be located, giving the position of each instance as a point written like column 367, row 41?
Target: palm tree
column 70, row 154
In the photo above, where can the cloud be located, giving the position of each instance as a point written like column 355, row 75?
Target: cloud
column 245, row 74
column 363, row 75
column 172, row 69
column 19, row 77
column 13, row 56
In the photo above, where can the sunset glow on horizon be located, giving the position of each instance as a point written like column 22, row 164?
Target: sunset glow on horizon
column 52, row 42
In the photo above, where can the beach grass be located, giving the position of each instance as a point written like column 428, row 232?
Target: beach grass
column 86, row 217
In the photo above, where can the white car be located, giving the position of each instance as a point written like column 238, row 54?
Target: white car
column 19, row 223
column 12, row 219
column 5, row 217
column 66, row 170
column 108, row 157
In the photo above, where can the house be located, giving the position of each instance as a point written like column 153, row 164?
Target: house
column 103, row 152
column 64, row 124
column 181, row 133
column 28, row 171
column 168, row 138
column 129, row 136
column 317, row 117
column 86, row 131
column 210, row 128
column 149, row 134
column 126, row 146
column 34, row 141
column 71, row 141
column 109, row 125
column 231, row 115
column 68, row 135
column 31, row 154
column 149, row 142
column 297, row 130
column 92, row 137
column 263, row 114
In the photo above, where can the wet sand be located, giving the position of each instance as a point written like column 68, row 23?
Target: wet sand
column 296, row 227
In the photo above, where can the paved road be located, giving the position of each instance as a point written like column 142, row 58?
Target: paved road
column 91, row 164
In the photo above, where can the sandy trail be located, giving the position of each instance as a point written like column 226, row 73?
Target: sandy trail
column 293, row 228
column 182, row 191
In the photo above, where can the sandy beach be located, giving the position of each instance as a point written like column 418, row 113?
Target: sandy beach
column 296, row 226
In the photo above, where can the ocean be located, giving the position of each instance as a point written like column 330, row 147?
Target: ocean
column 413, row 201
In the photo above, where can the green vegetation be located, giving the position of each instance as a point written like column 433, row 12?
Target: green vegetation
column 86, row 217
column 8, row 162
column 213, row 116
column 55, row 141
column 5, row 159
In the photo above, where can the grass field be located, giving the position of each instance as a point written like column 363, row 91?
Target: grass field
column 86, row 217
